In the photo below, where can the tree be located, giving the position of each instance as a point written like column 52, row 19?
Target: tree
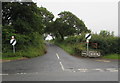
column 22, row 20
column 22, row 16
column 47, row 19
column 68, row 24
column 106, row 33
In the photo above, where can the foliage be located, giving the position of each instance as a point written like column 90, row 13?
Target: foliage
column 67, row 47
column 69, row 25
column 47, row 19
column 28, row 23
column 107, row 45
column 73, row 44
column 106, row 33
column 78, row 48
column 26, row 49
column 24, row 22
column 76, row 39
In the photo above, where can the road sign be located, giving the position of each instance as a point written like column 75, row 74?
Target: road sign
column 88, row 36
column 13, row 42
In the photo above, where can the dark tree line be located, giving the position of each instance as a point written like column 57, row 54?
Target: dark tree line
column 27, row 22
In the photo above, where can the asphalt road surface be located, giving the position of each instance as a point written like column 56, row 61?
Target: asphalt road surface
column 57, row 65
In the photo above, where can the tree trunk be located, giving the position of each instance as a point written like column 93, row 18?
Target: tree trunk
column 61, row 35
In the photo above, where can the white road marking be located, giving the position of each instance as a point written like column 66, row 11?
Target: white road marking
column 3, row 74
column 62, row 66
column 87, row 70
column 101, row 70
column 80, row 70
column 112, row 69
column 103, row 60
column 60, row 62
column 97, row 69
column 57, row 56
column 83, row 70
column 21, row 73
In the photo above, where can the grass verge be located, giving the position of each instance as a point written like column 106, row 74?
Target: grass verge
column 70, row 49
column 112, row 56
column 67, row 47
column 12, row 58
column 30, row 52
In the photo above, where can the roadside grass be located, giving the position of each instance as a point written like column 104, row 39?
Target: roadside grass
column 67, row 47
column 112, row 56
column 30, row 52
column 70, row 49
column 11, row 58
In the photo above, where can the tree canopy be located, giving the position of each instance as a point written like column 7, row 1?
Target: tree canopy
column 68, row 24
column 25, row 21
column 47, row 19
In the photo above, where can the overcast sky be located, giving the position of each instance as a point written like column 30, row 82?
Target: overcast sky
column 97, row 14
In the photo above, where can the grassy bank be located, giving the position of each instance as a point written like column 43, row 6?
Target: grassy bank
column 29, row 52
column 67, row 47
column 112, row 56
column 70, row 49
column 12, row 58
column 25, row 49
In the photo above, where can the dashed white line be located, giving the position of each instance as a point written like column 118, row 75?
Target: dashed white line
column 60, row 62
column 62, row 66
column 86, row 70
column 57, row 56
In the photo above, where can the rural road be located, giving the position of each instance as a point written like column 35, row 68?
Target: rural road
column 57, row 65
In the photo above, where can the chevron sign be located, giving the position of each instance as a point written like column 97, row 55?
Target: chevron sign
column 88, row 36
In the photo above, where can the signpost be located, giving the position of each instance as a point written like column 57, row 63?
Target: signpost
column 88, row 37
column 13, row 42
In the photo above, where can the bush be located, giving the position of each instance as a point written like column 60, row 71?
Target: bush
column 71, row 40
column 107, row 45
column 29, row 53
column 75, row 39
column 27, row 46
column 78, row 48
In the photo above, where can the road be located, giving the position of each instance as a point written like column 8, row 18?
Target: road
column 57, row 65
